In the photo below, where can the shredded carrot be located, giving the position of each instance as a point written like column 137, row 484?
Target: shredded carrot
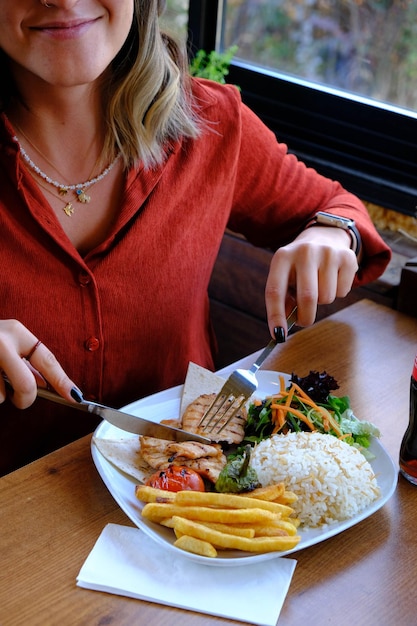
column 279, row 410
column 280, row 420
column 326, row 424
column 297, row 413
column 301, row 392
column 290, row 396
column 345, row 436
column 276, row 419
column 328, row 420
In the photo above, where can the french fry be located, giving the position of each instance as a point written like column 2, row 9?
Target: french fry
column 204, row 498
column 156, row 511
column 241, row 531
column 288, row 497
column 231, row 529
column 287, row 526
column 197, row 546
column 271, row 531
column 167, row 522
column 184, row 526
column 205, row 521
column 271, row 493
column 145, row 493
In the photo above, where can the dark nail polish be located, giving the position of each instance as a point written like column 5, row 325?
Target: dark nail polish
column 279, row 334
column 76, row 395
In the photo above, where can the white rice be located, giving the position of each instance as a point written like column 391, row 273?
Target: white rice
column 333, row 480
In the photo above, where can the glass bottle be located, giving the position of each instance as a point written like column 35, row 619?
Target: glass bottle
column 408, row 449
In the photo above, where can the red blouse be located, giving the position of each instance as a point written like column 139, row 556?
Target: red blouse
column 125, row 320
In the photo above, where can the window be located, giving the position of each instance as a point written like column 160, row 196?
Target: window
column 364, row 47
column 335, row 79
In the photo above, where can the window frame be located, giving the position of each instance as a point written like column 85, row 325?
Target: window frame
column 371, row 148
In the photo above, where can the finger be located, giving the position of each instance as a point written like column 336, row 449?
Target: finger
column 21, row 384
column 336, row 274
column 328, row 277
column 307, row 299
column 304, row 285
column 304, row 295
column 276, row 290
column 278, row 325
column 33, row 350
column 49, row 368
column 26, row 362
column 346, row 276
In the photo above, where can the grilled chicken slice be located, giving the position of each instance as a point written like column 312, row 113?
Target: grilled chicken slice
column 233, row 432
column 207, row 467
column 208, row 460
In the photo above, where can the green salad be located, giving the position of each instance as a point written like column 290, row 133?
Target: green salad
column 305, row 404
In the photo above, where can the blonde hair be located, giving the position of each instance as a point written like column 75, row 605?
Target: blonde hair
column 149, row 97
column 148, row 103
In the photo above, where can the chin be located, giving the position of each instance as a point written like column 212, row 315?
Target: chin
column 74, row 77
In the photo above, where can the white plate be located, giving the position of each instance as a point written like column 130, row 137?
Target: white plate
column 165, row 405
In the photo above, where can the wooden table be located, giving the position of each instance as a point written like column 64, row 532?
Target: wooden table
column 53, row 510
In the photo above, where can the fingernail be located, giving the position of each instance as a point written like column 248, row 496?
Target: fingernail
column 279, row 334
column 76, row 395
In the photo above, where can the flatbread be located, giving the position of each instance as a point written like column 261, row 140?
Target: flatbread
column 125, row 455
column 198, row 381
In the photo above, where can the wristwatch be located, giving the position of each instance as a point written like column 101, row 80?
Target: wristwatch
column 328, row 219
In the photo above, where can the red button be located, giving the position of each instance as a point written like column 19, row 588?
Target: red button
column 84, row 279
column 92, row 344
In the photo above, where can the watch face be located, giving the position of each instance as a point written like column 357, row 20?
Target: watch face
column 334, row 220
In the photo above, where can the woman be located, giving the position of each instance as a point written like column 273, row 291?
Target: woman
column 118, row 176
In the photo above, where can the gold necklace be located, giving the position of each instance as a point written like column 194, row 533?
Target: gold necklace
column 68, row 208
column 79, row 189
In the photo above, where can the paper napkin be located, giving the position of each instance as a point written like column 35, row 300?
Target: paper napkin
column 126, row 562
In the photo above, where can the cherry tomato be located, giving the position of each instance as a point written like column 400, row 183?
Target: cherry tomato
column 176, row 478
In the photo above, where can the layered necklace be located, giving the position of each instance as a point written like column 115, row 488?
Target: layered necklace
column 78, row 189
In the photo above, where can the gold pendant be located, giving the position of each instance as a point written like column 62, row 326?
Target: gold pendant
column 68, row 209
column 63, row 191
column 82, row 196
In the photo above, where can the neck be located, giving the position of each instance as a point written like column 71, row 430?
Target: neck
column 61, row 102
column 64, row 123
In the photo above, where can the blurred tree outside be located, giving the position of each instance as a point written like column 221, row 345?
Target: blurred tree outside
column 175, row 19
column 366, row 47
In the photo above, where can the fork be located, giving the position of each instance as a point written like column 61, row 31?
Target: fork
column 237, row 389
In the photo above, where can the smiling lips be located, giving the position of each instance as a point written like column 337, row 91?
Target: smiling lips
column 66, row 30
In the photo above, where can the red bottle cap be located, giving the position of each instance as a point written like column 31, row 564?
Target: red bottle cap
column 415, row 368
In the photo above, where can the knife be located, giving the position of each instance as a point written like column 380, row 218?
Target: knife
column 125, row 421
